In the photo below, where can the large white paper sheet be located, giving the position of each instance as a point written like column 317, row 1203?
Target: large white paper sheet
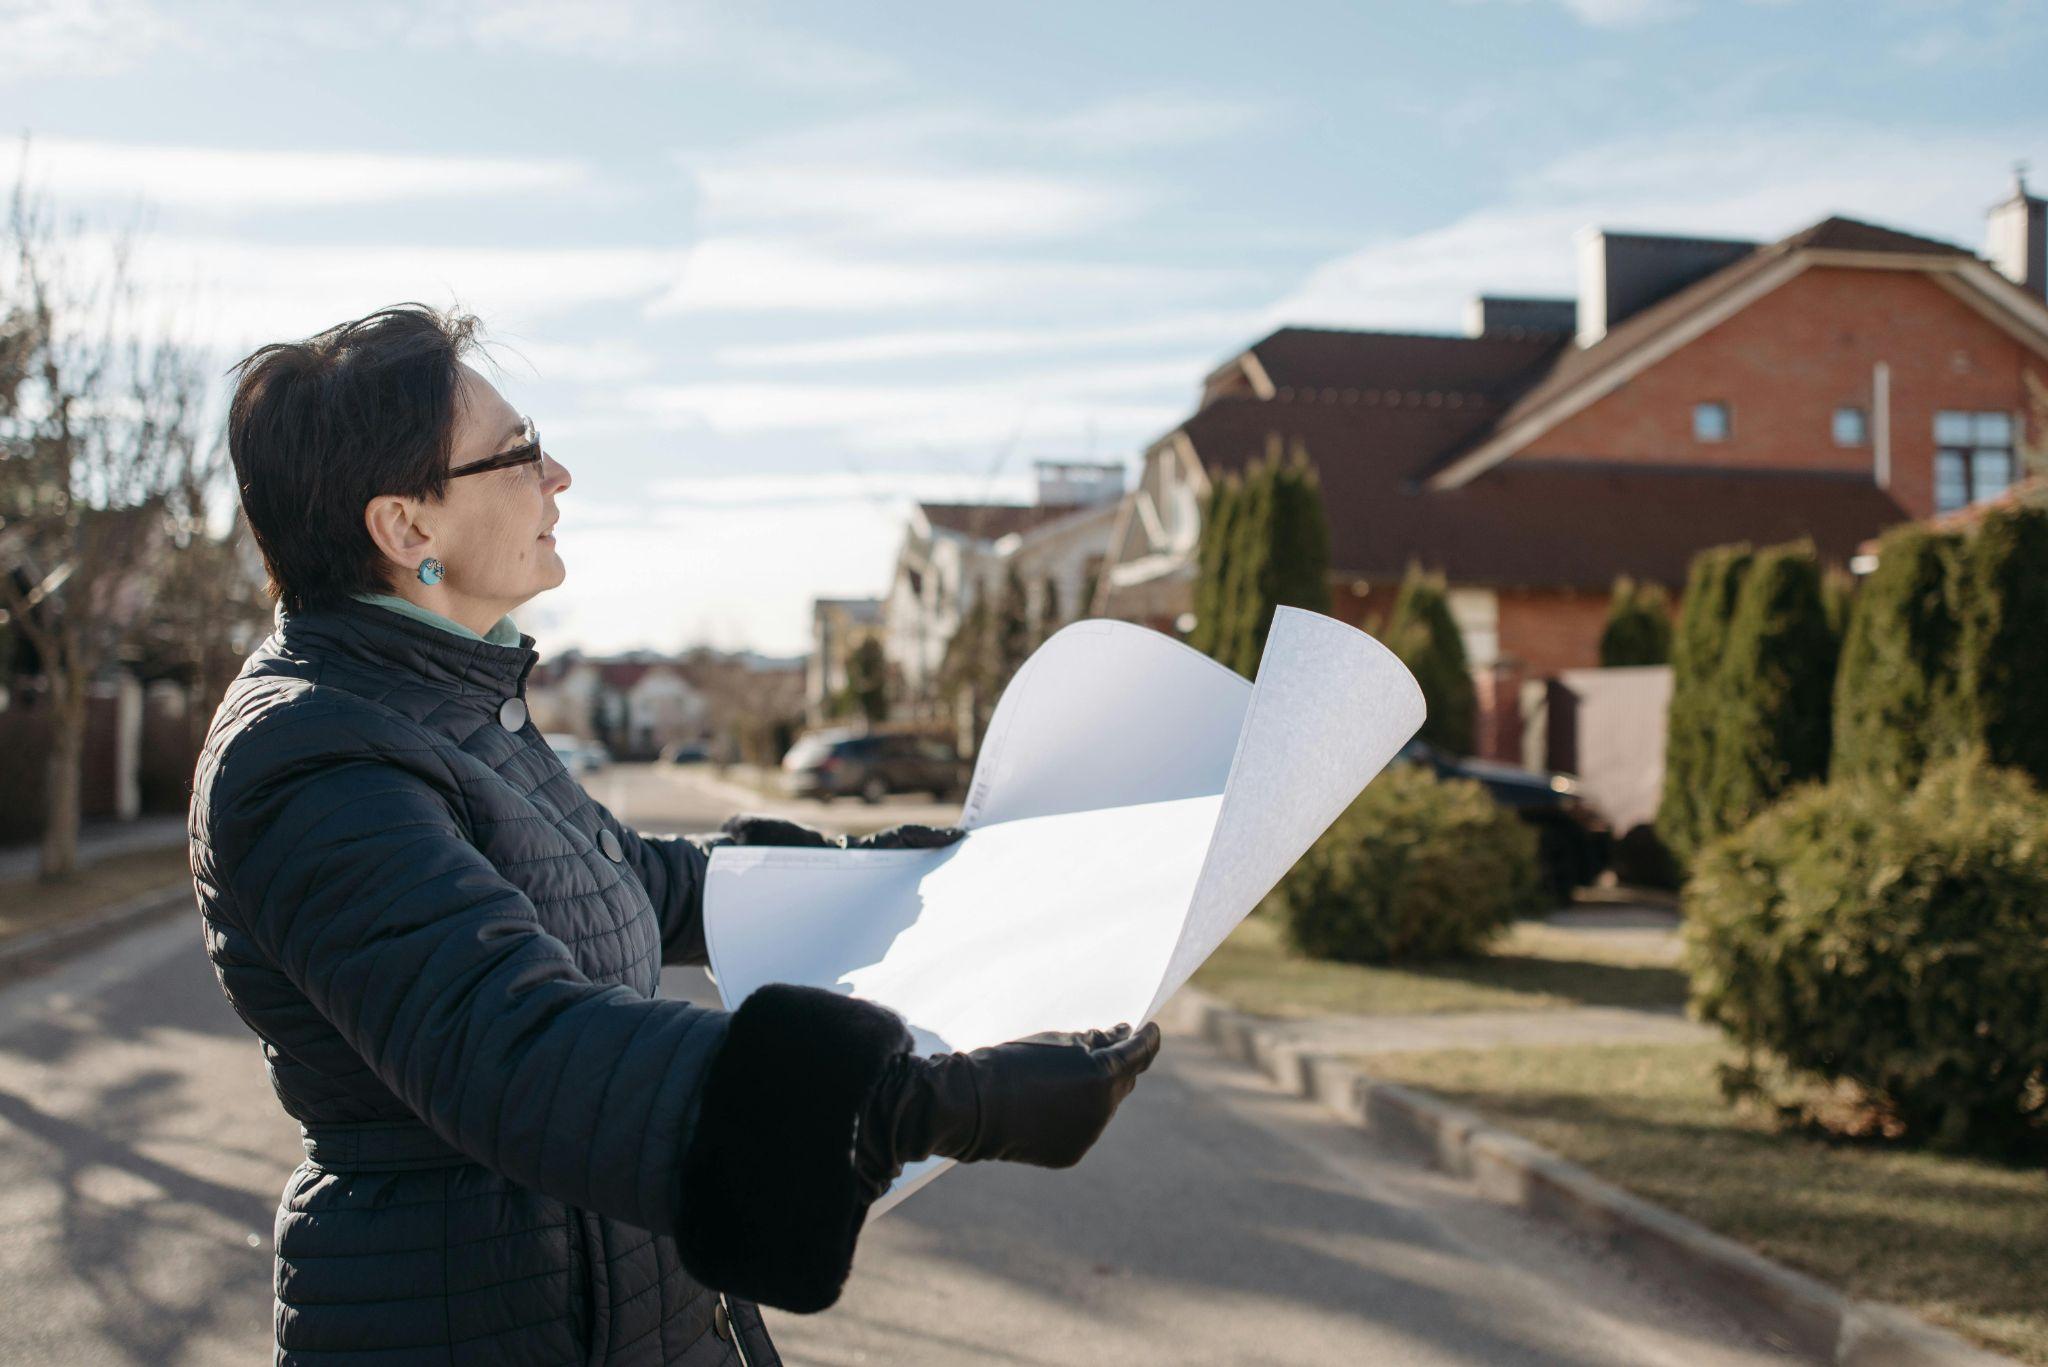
column 1132, row 802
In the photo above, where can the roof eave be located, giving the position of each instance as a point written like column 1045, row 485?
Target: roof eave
column 2017, row 308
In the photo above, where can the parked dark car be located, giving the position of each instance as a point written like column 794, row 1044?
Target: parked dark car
column 685, row 752
column 848, row 764
column 1571, row 838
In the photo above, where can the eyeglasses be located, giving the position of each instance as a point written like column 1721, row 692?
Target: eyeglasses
column 528, row 452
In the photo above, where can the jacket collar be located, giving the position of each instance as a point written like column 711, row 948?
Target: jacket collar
column 379, row 638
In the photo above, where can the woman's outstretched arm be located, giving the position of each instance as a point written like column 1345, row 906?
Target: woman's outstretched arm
column 355, row 878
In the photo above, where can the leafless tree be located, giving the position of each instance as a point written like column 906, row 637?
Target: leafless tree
column 102, row 476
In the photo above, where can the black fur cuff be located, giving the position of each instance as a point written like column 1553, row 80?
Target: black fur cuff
column 770, row 1205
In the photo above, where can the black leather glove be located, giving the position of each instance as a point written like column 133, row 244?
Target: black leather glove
column 750, row 829
column 1044, row 1100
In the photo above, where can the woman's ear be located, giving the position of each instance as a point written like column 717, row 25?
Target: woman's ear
column 393, row 524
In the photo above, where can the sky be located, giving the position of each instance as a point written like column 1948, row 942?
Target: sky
column 763, row 275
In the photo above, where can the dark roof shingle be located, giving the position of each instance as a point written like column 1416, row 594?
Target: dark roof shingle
column 1549, row 524
column 1303, row 359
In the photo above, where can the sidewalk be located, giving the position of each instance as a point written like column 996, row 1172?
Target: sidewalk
column 96, row 841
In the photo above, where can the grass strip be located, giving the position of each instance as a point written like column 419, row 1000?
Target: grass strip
column 1961, row 1241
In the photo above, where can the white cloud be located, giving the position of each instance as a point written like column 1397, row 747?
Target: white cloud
column 80, row 37
column 1738, row 182
column 1625, row 13
column 965, row 136
column 229, row 179
column 1121, row 405
column 896, row 487
column 913, row 205
column 942, row 344
column 100, row 37
column 764, row 275
column 646, row 32
column 229, row 292
column 1616, row 13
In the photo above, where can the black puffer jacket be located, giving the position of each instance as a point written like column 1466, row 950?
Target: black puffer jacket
column 516, row 1153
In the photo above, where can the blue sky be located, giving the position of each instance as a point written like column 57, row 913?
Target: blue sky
column 761, row 274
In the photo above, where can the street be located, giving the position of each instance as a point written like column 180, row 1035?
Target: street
column 141, row 1153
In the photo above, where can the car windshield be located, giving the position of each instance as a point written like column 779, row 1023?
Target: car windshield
column 808, row 750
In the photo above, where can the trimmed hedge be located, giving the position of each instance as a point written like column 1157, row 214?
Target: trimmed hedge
column 1697, row 649
column 1415, row 868
column 1894, row 941
column 1776, row 690
column 1896, row 703
column 1421, row 631
column 2003, row 643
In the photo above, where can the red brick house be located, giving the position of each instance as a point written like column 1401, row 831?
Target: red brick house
column 1698, row 391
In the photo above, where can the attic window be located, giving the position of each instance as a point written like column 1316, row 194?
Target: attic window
column 1710, row 421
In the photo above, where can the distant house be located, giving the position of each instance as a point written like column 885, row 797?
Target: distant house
column 1697, row 391
column 839, row 626
column 642, row 702
column 952, row 552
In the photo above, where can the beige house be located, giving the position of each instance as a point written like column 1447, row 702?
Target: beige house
column 839, row 626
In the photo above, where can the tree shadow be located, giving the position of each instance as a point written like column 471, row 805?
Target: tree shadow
column 1640, row 987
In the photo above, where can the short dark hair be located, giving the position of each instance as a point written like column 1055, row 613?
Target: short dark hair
column 320, row 427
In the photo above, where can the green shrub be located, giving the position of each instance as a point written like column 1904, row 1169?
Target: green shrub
column 1897, row 942
column 2004, row 638
column 1697, row 649
column 1638, row 630
column 1415, row 868
column 1421, row 631
column 1777, row 688
column 1895, row 692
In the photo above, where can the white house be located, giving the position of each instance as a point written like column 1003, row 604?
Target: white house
column 952, row 552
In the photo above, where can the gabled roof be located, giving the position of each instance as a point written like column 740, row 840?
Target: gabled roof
column 992, row 521
column 1539, row 524
column 1579, row 371
column 1302, row 359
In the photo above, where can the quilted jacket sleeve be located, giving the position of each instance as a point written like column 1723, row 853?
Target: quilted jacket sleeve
column 355, row 877
column 671, row 868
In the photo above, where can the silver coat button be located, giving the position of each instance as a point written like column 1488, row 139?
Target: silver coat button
column 512, row 715
column 609, row 843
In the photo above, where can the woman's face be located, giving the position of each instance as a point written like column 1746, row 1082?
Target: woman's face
column 493, row 530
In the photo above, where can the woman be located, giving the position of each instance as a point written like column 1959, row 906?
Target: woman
column 515, row 1152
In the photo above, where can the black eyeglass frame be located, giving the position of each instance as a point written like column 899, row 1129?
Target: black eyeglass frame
column 526, row 453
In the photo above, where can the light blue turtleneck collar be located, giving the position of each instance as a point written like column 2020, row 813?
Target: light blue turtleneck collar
column 503, row 634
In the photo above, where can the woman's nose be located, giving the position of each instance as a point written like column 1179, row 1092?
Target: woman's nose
column 559, row 478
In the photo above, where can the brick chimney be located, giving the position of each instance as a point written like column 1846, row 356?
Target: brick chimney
column 2016, row 239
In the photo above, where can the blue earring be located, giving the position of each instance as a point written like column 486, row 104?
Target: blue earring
column 431, row 570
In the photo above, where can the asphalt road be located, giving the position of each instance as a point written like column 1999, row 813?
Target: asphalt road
column 141, row 1153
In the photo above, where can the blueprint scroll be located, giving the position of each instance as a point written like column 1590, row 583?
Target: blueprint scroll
column 1132, row 802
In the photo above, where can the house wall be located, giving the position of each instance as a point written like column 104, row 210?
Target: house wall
column 1788, row 360
column 1549, row 631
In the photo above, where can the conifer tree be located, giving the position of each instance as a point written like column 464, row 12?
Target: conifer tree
column 1776, row 690
column 2003, row 643
column 1422, row 632
column 1245, row 570
column 1300, row 575
column 1211, row 560
column 1697, row 650
column 1896, row 701
column 1638, row 628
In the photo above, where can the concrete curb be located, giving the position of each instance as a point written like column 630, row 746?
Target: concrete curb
column 54, row 941
column 1787, row 1308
